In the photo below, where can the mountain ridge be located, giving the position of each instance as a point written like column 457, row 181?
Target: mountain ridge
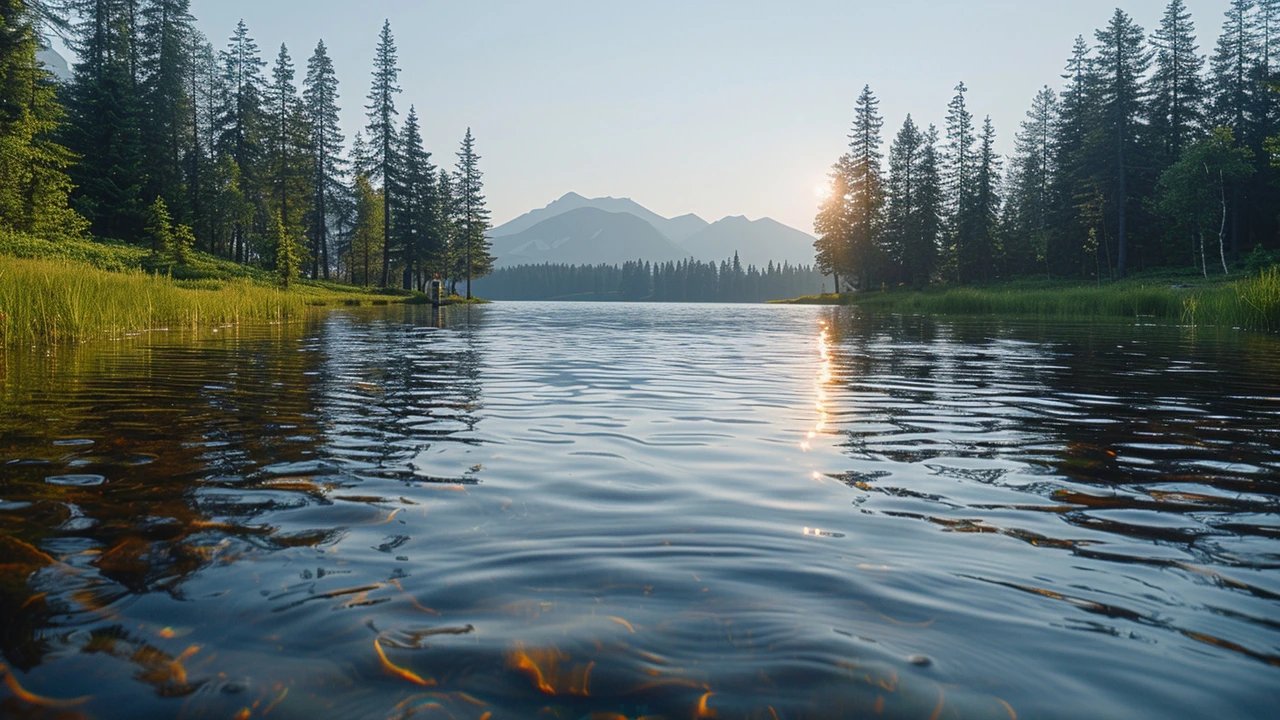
column 586, row 236
column 756, row 242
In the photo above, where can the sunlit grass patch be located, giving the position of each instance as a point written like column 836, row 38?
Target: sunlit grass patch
column 52, row 300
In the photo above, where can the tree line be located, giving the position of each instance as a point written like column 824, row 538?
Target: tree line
column 160, row 138
column 642, row 281
column 1152, row 155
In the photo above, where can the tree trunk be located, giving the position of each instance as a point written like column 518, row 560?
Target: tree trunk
column 1222, row 230
column 1122, row 209
column 1204, row 262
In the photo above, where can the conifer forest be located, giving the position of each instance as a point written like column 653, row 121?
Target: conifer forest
column 1150, row 153
column 170, row 140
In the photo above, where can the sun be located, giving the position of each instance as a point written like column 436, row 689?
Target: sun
column 822, row 190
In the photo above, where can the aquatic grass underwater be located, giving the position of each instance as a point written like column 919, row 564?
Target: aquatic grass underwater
column 55, row 300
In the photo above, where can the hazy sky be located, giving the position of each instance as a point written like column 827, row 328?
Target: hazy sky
column 717, row 107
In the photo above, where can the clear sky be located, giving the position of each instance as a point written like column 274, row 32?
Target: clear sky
column 717, row 107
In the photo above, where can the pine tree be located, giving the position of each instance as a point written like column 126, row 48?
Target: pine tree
column 866, row 189
column 1233, row 66
column 34, row 185
column 930, row 206
column 166, row 31
column 239, row 124
column 446, row 217
column 987, row 180
column 911, row 218
column 416, row 227
column 1177, row 86
column 159, row 227
column 1074, row 188
column 327, row 165
column 287, row 148
column 832, row 223
column 1120, row 66
column 286, row 259
column 105, row 117
column 959, row 182
column 473, row 214
column 382, row 161
column 1031, row 179
column 199, row 164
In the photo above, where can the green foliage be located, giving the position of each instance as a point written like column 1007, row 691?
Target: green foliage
column 1260, row 259
column 472, row 217
column 1249, row 304
column 365, row 257
column 34, row 185
column 1193, row 193
column 287, row 259
column 181, row 242
column 159, row 227
column 320, row 98
column 380, row 163
column 1103, row 181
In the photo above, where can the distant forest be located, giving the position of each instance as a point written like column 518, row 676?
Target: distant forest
column 1151, row 156
column 685, row 281
column 162, row 140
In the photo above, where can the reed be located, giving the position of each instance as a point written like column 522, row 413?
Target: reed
column 1249, row 304
column 56, row 300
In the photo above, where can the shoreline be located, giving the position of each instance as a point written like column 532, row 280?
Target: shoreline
column 1244, row 302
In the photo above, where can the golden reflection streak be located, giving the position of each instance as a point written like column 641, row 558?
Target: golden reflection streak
column 942, row 703
column 396, row 670
column 31, row 698
column 703, row 710
column 624, row 624
column 824, row 378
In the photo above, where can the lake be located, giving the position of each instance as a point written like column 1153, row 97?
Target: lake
column 660, row 511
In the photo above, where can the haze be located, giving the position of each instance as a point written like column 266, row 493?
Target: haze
column 715, row 107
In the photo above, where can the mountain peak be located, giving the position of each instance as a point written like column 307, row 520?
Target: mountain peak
column 676, row 230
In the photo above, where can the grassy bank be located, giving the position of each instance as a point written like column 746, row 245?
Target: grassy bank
column 80, row 290
column 1251, row 303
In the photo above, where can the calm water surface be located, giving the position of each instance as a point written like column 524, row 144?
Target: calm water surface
column 623, row 511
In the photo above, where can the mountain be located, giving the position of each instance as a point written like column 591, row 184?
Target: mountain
column 55, row 63
column 757, row 243
column 676, row 230
column 586, row 236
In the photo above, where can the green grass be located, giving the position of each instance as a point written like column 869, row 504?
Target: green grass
column 1251, row 303
column 80, row 290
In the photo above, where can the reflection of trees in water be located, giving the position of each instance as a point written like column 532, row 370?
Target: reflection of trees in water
column 141, row 434
column 178, row 454
column 1153, row 447
column 390, row 392
column 1114, row 417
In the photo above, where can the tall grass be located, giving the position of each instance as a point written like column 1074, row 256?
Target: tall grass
column 46, row 300
column 1250, row 304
